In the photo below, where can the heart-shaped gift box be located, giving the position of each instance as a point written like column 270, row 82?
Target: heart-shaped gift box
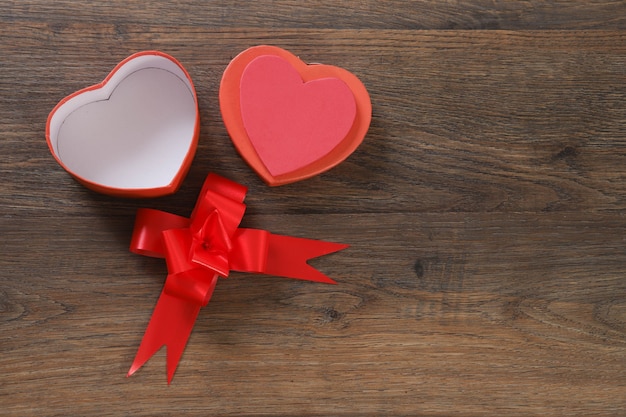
column 132, row 135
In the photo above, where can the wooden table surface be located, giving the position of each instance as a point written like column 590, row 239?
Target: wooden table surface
column 485, row 209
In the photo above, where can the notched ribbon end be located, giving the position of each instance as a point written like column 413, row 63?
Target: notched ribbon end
column 289, row 256
column 172, row 363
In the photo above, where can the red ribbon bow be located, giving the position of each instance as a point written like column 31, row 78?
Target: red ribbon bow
column 204, row 247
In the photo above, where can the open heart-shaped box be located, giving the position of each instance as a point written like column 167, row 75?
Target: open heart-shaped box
column 132, row 135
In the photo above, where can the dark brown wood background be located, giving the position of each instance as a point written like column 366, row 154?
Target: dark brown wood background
column 486, row 210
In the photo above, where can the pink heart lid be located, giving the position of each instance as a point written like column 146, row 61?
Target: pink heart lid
column 277, row 107
column 132, row 135
column 290, row 120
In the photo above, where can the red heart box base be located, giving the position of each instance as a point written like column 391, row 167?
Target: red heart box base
column 134, row 134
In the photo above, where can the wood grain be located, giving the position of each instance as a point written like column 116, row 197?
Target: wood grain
column 331, row 14
column 485, row 212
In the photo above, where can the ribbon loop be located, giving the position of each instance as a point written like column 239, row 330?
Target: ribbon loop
column 212, row 245
column 200, row 249
column 252, row 246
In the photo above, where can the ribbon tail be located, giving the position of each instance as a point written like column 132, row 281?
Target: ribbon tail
column 170, row 325
column 287, row 256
